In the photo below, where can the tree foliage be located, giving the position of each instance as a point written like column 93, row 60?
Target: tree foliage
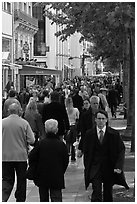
column 105, row 24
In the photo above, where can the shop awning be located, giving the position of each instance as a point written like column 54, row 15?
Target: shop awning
column 35, row 70
column 12, row 66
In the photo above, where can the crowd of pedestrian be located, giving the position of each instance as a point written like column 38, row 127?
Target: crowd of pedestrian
column 50, row 119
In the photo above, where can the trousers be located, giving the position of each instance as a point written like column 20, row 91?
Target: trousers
column 98, row 195
column 8, row 180
column 70, row 140
column 55, row 194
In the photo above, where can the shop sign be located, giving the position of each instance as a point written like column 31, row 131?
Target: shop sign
column 39, row 72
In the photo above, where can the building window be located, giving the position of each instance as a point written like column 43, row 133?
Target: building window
column 39, row 37
column 25, row 7
column 6, row 45
column 29, row 10
column 20, row 6
column 16, row 49
column 6, row 6
column 30, row 50
column 9, row 7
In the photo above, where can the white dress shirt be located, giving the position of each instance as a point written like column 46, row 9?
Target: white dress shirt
column 98, row 131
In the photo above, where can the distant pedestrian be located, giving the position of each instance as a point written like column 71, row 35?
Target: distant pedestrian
column 11, row 99
column 51, row 159
column 86, row 104
column 35, row 120
column 57, row 111
column 46, row 96
column 113, row 100
column 24, row 98
column 77, row 100
column 73, row 115
column 83, row 93
column 104, row 153
column 103, row 100
column 87, row 120
column 16, row 134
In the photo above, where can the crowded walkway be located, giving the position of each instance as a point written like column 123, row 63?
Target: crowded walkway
column 62, row 103
column 75, row 189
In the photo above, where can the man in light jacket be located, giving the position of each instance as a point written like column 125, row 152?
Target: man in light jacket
column 16, row 135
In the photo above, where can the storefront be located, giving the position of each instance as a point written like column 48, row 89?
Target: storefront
column 36, row 75
column 10, row 74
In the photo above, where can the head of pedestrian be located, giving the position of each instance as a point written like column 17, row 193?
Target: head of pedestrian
column 14, row 108
column 51, row 126
column 101, row 118
column 12, row 93
column 35, row 93
column 94, row 102
column 31, row 107
column 86, row 103
column 82, row 88
column 76, row 91
column 54, row 96
column 69, row 102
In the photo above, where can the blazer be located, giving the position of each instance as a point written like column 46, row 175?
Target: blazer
column 110, row 156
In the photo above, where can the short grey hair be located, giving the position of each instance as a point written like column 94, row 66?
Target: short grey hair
column 51, row 125
column 14, row 108
column 95, row 97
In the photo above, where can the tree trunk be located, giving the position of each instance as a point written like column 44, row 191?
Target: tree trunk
column 131, row 112
column 129, row 87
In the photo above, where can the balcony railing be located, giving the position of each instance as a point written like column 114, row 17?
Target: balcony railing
column 25, row 18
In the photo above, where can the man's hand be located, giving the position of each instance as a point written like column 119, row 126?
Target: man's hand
column 118, row 171
column 79, row 153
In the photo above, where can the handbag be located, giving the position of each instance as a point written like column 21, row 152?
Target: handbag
column 31, row 171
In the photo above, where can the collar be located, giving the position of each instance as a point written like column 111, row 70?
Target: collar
column 103, row 129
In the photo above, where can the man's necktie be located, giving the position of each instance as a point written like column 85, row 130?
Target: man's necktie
column 101, row 136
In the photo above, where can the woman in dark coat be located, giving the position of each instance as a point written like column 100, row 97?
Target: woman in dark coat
column 51, row 159
column 57, row 111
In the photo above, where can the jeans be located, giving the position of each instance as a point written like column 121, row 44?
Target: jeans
column 55, row 194
column 8, row 179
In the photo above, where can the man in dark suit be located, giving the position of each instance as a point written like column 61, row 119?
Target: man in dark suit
column 56, row 110
column 104, row 153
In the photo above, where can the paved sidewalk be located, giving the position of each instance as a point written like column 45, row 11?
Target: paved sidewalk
column 74, row 177
column 75, row 189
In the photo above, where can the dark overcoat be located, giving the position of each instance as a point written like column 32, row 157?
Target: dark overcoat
column 50, row 158
column 57, row 111
column 87, row 121
column 111, row 156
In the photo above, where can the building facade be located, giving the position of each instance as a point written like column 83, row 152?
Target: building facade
column 7, row 42
column 33, row 51
column 25, row 27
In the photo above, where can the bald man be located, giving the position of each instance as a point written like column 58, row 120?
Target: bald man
column 16, row 134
